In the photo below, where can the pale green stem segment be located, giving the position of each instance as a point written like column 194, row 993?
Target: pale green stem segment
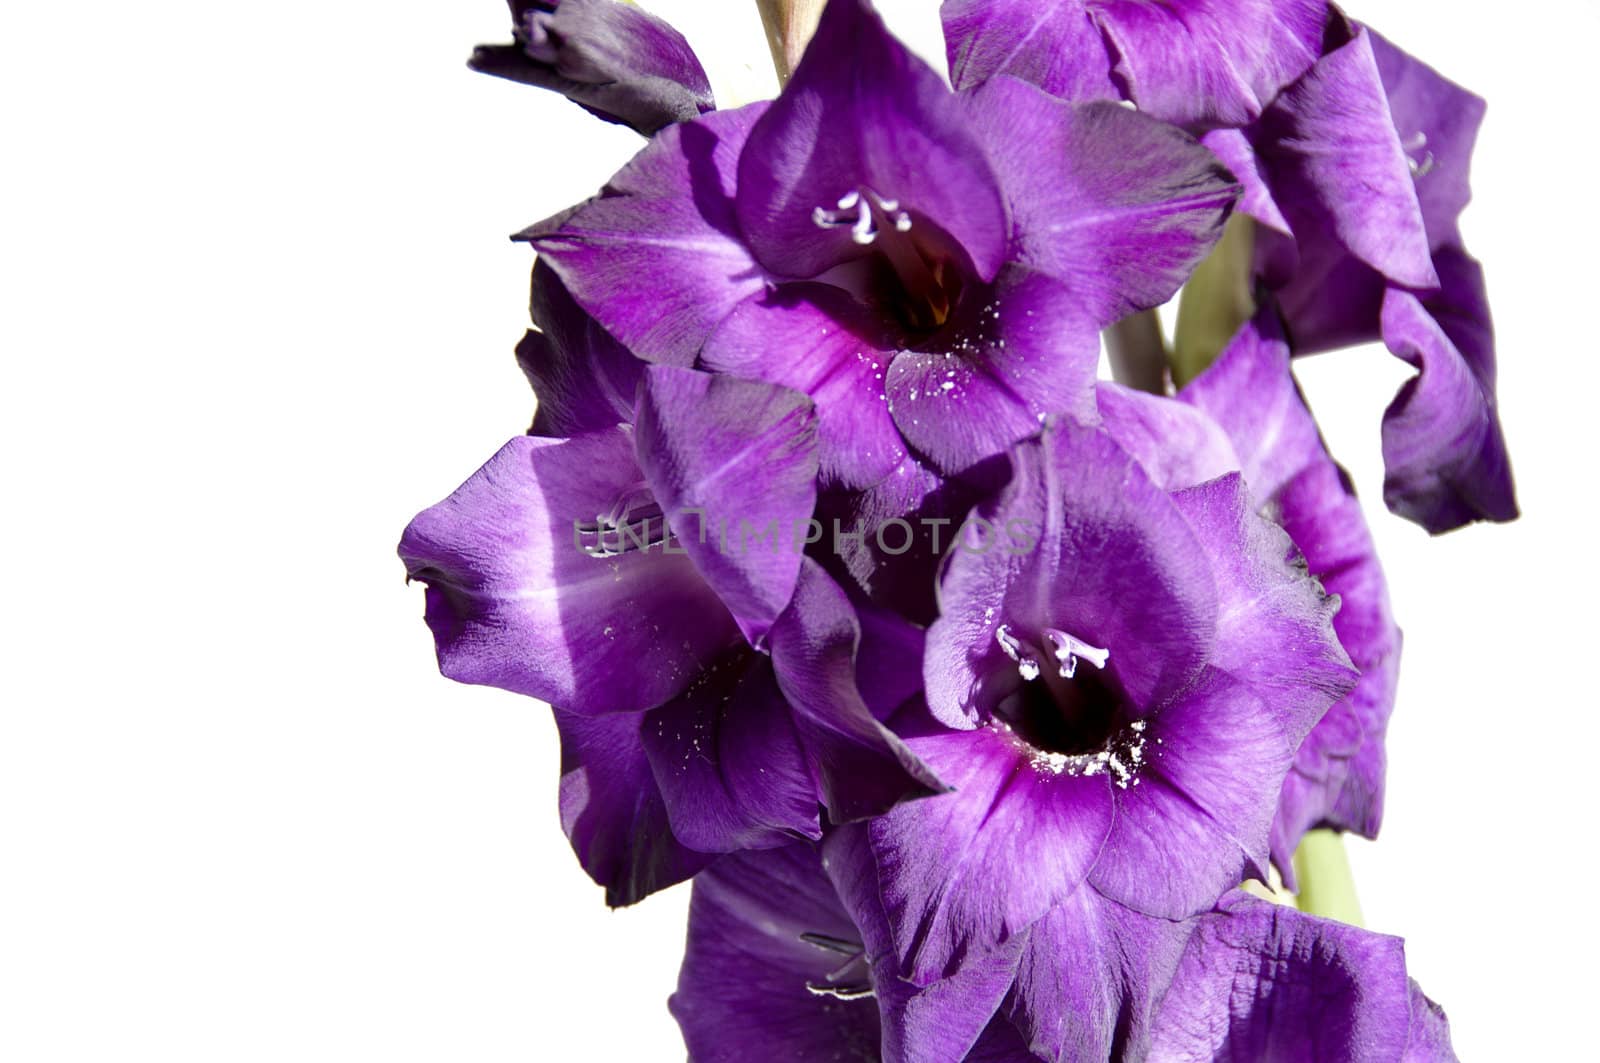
column 1326, row 886
column 790, row 24
column 1216, row 301
column 1138, row 352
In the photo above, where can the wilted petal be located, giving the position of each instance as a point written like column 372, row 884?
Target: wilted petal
column 657, row 257
column 515, row 601
column 1119, row 206
column 862, row 114
column 1444, row 453
column 612, row 809
column 616, row 60
column 733, row 464
column 1263, row 981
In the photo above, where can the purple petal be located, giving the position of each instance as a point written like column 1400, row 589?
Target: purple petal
column 1239, row 157
column 1445, row 455
column 863, row 114
column 941, row 1020
column 1275, row 629
column 729, row 762
column 612, row 810
column 815, row 338
column 991, row 378
column 964, row 872
column 515, row 601
column 743, row 991
column 1430, row 1031
column 1335, row 164
column 1053, row 44
column 1119, row 206
column 733, row 464
column 617, row 61
column 1115, row 563
column 1090, row 975
column 1175, row 444
column 1262, row 981
column 1337, row 778
column 1438, row 124
column 1202, row 804
column 657, row 257
column 861, row 768
column 584, row 379
column 1210, row 62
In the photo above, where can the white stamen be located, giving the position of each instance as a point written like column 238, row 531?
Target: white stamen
column 1069, row 649
column 860, row 209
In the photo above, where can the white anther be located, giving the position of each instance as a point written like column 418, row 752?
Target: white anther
column 1069, row 649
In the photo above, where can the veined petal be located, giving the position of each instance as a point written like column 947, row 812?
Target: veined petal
column 657, row 257
column 964, row 872
column 1210, row 62
column 612, row 811
column 743, row 992
column 862, row 114
column 516, row 601
column 990, row 379
column 1053, row 44
column 1438, row 124
column 733, row 464
column 617, row 61
column 1116, row 204
column 585, row 381
column 815, row 338
column 1263, row 981
column 1205, row 799
column 861, row 768
column 1175, row 444
column 1091, row 973
column 729, row 762
column 1335, row 162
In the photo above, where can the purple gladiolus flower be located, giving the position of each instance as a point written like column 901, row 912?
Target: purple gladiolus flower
column 1338, row 774
column 617, row 61
column 1116, row 707
column 1358, row 176
column 929, row 267
column 564, row 570
column 790, row 956
column 1200, row 63
column 1354, row 159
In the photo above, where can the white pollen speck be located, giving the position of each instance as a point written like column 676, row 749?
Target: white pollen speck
column 947, row 385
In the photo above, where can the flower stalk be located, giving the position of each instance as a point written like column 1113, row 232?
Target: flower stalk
column 1327, row 887
column 1138, row 352
column 789, row 25
column 1215, row 302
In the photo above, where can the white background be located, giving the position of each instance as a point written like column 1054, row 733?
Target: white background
column 259, row 308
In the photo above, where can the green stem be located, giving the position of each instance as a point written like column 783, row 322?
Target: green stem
column 1326, row 886
column 790, row 24
column 1217, row 299
column 1138, row 352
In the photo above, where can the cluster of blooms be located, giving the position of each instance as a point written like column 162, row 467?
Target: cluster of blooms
column 966, row 687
